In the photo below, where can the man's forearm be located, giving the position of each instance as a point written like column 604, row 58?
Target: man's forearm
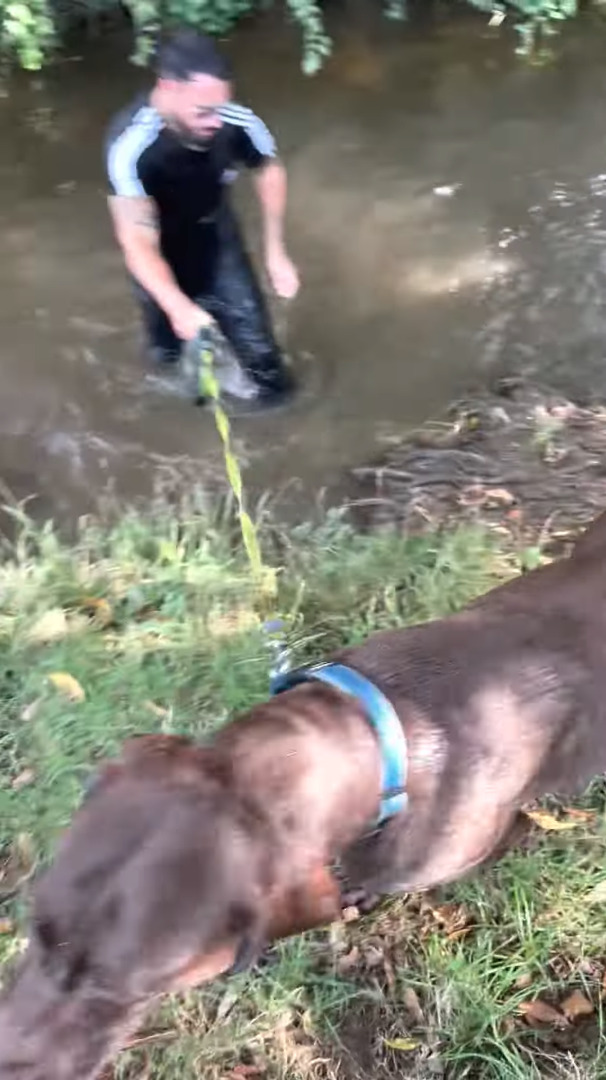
column 271, row 184
column 150, row 269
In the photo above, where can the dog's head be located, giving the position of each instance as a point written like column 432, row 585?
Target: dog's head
column 162, row 882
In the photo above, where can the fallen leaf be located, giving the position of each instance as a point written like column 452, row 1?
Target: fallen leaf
column 576, row 1005
column 539, row 1012
column 51, row 626
column 100, row 609
column 413, row 1005
column 24, row 779
column 30, row 710
column 390, row 977
column 224, row 624
column 373, row 957
column 17, row 865
column 227, row 1003
column 350, row 914
column 148, row 1038
column 523, row 981
column 500, row 495
column 587, row 816
column 157, row 710
column 598, row 894
column 6, row 926
column 474, row 495
column 349, row 961
column 404, row 1045
column 453, row 918
column 244, row 1072
column 548, row 822
column 67, row 685
column 593, row 969
column 457, row 935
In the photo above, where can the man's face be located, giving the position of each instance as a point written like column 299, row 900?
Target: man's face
column 194, row 106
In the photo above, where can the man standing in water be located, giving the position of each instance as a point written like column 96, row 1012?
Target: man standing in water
column 169, row 157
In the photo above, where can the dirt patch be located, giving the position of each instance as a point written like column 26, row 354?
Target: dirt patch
column 523, row 459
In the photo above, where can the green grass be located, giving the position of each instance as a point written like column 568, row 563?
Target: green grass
column 182, row 653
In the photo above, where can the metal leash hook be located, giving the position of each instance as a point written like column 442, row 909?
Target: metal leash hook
column 279, row 650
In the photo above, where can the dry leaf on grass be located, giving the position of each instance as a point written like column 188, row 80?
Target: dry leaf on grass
column 597, row 894
column 507, row 1026
column 157, row 710
column 24, row 779
column 7, row 926
column 30, row 710
column 67, row 685
column 100, row 610
column 454, row 919
column 227, row 1003
column 523, row 981
column 413, row 1005
column 576, row 1005
column 500, row 496
column 150, row 1038
column 347, row 963
column 404, row 1045
column 350, row 914
column 16, row 864
column 584, row 816
column 390, row 976
column 538, row 1012
column 52, row 626
column 548, row 822
column 244, row 1072
column 373, row 957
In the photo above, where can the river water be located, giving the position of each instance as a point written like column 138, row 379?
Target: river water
column 447, row 213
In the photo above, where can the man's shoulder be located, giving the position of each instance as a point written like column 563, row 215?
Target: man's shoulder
column 240, row 118
column 133, row 128
column 131, row 133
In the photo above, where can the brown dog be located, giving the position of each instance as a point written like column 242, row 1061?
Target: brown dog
column 186, row 860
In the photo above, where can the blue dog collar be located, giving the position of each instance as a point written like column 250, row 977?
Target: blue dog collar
column 379, row 712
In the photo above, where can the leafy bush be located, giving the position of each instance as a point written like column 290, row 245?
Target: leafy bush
column 30, row 29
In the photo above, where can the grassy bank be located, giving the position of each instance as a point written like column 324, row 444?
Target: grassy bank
column 150, row 625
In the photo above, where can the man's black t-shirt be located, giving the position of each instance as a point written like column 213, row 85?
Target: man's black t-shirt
column 145, row 158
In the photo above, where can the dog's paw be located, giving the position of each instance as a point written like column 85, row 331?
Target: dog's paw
column 360, row 899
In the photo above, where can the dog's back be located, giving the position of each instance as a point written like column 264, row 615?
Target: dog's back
column 501, row 703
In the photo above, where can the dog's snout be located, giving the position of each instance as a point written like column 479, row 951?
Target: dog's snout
column 50, row 1031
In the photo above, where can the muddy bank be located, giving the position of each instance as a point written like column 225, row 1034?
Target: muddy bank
column 521, row 458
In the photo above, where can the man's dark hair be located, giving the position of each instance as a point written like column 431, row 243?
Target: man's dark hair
column 186, row 54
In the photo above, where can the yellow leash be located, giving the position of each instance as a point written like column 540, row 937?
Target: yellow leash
column 264, row 577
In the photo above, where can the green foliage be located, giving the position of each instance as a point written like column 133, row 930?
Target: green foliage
column 29, row 28
column 537, row 19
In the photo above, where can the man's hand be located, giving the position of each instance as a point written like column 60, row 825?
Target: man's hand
column 188, row 318
column 283, row 273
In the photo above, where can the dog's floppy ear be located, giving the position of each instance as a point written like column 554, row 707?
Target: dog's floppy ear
column 311, row 903
column 308, row 904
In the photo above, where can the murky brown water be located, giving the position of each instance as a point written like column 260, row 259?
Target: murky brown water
column 447, row 212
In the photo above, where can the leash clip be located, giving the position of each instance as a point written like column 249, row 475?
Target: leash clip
column 279, row 650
